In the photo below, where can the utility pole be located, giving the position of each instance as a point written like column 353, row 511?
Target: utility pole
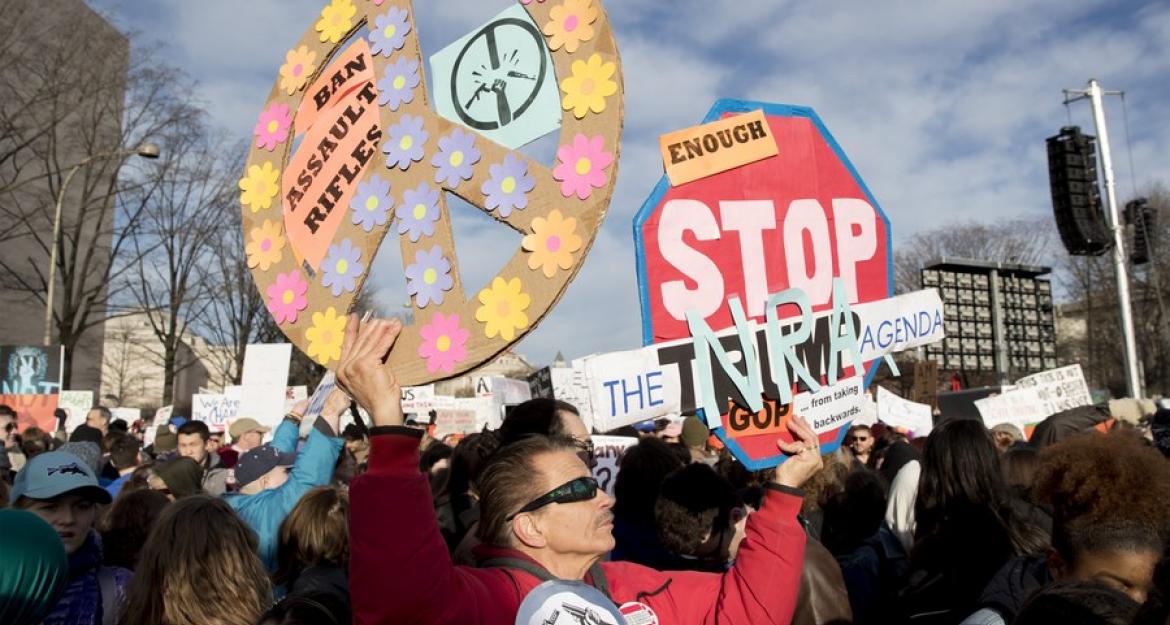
column 1094, row 94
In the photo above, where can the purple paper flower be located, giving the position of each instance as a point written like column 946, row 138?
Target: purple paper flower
column 341, row 267
column 418, row 212
column 456, row 155
column 389, row 32
column 371, row 205
column 507, row 188
column 429, row 276
column 405, row 142
column 398, row 83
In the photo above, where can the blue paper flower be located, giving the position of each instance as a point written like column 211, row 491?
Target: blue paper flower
column 429, row 276
column 508, row 186
column 404, row 142
column 418, row 212
column 371, row 205
column 456, row 155
column 398, row 83
column 389, row 32
column 341, row 267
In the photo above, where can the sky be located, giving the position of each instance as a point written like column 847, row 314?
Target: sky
column 942, row 107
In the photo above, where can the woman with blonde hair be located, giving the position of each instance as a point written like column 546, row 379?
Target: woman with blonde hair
column 199, row 567
column 313, row 555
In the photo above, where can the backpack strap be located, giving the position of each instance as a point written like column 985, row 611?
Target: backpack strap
column 596, row 574
column 108, row 586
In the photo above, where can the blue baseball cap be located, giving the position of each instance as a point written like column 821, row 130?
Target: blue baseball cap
column 258, row 461
column 56, row 473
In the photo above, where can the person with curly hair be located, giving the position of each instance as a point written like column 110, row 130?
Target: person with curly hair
column 1110, row 497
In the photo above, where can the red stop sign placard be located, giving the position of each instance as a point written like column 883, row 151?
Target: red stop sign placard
column 798, row 219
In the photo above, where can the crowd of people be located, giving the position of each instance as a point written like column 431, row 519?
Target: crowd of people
column 379, row 523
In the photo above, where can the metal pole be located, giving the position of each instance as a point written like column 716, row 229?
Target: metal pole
column 998, row 330
column 53, row 251
column 1119, row 268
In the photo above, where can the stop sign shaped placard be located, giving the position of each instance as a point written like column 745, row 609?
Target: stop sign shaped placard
column 799, row 219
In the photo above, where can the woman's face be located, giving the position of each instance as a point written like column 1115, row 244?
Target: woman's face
column 70, row 515
column 1131, row 572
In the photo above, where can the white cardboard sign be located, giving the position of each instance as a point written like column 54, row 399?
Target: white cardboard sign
column 608, row 452
column 76, row 405
column 903, row 413
column 266, row 364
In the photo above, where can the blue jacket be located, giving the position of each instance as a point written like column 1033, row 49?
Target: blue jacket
column 266, row 510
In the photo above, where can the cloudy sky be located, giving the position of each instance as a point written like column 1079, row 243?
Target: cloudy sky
column 942, row 106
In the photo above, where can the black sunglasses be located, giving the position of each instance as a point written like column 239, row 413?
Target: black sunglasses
column 580, row 489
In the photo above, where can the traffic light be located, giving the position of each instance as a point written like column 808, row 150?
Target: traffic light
column 1144, row 219
column 1076, row 198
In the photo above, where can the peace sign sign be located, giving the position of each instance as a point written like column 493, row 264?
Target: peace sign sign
column 347, row 150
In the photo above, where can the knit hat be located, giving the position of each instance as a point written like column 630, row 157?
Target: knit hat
column 91, row 453
column 165, row 439
column 694, row 432
column 35, row 571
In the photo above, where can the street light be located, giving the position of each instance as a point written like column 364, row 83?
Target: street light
column 145, row 150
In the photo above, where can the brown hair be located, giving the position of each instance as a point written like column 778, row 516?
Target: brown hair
column 123, row 449
column 316, row 532
column 509, row 481
column 199, row 566
column 35, row 441
column 127, row 525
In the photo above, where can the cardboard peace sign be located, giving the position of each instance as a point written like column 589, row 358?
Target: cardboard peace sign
column 347, row 150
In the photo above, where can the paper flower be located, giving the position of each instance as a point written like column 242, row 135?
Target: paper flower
column 429, row 276
column 272, row 127
column 325, row 336
column 404, row 143
column 457, row 153
column 299, row 64
column 443, row 342
column 503, row 308
column 570, row 23
column 389, row 32
column 341, row 267
column 398, row 82
column 259, row 187
column 552, row 243
column 589, row 86
column 530, row 1
column 266, row 245
column 418, row 212
column 336, row 20
column 508, row 185
column 371, row 204
column 582, row 166
column 286, row 296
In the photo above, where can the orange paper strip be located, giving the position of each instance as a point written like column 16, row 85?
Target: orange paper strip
column 346, row 74
column 773, row 419
column 705, row 150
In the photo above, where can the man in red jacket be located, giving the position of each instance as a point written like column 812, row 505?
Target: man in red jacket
column 541, row 518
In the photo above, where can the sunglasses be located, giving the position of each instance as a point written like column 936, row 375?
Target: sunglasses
column 857, row 439
column 580, row 489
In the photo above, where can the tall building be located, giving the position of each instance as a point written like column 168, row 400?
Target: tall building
column 63, row 76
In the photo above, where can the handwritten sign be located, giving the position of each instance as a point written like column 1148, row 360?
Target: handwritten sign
column 702, row 151
column 608, row 452
column 76, row 405
column 901, row 413
column 214, row 409
column 1059, row 389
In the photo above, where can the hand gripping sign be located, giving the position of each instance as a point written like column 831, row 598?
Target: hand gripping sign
column 347, row 150
column 749, row 235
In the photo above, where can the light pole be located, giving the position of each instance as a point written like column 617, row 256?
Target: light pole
column 145, row 150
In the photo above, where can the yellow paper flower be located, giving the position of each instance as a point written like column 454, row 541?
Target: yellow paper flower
column 589, row 86
column 570, row 24
column 552, row 243
column 266, row 245
column 325, row 336
column 259, row 187
column 298, row 65
column 503, row 308
column 336, row 20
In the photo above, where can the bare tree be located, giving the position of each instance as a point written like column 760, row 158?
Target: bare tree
column 1025, row 242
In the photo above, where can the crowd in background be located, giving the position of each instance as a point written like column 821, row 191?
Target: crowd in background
column 965, row 526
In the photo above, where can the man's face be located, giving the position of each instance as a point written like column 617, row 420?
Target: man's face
column 577, row 528
column 250, row 439
column 1130, row 572
column 95, row 419
column 860, row 441
column 192, row 446
column 70, row 515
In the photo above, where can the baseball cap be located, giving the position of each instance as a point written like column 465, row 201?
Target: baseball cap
column 240, row 427
column 258, row 461
column 55, row 473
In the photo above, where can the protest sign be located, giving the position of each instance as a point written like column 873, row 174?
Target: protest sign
column 349, row 143
column 900, row 413
column 264, row 403
column 608, row 452
column 129, row 415
column 317, row 401
column 631, row 386
column 1020, row 407
column 76, row 405
column 217, row 410
column 418, row 400
column 30, row 377
column 499, row 80
column 162, row 416
column 463, row 415
column 716, row 147
column 1059, row 389
column 266, row 364
column 571, row 385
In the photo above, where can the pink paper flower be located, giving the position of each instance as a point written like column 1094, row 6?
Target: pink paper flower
column 272, row 127
column 286, row 296
column 582, row 166
column 443, row 343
